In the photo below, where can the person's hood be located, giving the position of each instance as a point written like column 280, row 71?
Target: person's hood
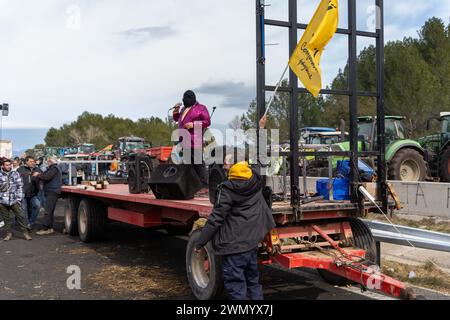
column 189, row 99
column 244, row 188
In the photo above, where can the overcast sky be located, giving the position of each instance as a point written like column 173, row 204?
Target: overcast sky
column 135, row 58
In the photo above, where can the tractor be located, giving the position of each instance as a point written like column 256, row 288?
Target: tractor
column 437, row 148
column 127, row 146
column 405, row 157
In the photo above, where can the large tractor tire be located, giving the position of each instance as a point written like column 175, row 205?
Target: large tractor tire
column 408, row 165
column 71, row 216
column 204, row 271
column 363, row 239
column 92, row 220
column 445, row 165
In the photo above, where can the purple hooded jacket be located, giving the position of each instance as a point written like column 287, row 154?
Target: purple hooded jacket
column 199, row 115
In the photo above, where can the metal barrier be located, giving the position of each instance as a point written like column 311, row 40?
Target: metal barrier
column 422, row 239
column 77, row 162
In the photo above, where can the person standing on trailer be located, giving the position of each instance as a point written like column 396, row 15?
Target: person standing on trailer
column 52, row 179
column 241, row 219
column 192, row 117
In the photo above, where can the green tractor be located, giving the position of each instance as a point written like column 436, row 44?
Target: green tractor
column 437, row 147
column 405, row 157
column 51, row 152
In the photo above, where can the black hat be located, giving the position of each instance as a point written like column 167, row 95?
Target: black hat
column 189, row 99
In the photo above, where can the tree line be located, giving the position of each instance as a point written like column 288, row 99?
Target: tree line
column 103, row 131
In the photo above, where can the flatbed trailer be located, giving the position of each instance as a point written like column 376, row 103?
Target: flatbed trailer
column 326, row 236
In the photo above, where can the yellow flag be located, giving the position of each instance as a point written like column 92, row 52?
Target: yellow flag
column 305, row 61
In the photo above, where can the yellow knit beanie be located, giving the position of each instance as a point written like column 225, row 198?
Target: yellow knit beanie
column 240, row 171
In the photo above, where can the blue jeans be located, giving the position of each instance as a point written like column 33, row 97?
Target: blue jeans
column 241, row 276
column 41, row 197
column 30, row 208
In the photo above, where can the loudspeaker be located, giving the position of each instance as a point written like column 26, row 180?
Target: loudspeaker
column 216, row 177
column 140, row 168
column 175, row 182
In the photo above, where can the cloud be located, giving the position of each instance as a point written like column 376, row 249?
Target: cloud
column 236, row 95
column 51, row 73
column 147, row 33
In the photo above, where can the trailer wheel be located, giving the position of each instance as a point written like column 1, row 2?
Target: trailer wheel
column 92, row 220
column 445, row 165
column 363, row 239
column 71, row 215
column 204, row 271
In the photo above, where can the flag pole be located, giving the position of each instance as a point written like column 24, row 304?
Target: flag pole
column 276, row 90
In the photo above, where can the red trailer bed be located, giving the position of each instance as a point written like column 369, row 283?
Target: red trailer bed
column 325, row 235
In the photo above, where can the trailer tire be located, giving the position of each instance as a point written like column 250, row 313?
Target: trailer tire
column 205, row 284
column 92, row 220
column 363, row 239
column 445, row 165
column 71, row 216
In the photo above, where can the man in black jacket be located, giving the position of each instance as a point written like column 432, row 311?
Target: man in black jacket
column 31, row 204
column 52, row 179
column 241, row 219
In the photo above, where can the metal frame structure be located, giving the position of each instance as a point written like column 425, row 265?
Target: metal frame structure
column 352, row 92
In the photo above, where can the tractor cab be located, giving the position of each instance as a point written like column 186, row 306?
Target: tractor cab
column 129, row 145
column 436, row 142
column 367, row 131
column 85, row 148
column 437, row 147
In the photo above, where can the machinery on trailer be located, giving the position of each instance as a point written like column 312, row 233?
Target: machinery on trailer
column 437, row 148
column 323, row 235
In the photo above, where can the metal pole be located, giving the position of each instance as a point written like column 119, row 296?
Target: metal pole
column 381, row 161
column 353, row 100
column 260, row 68
column 378, row 245
column 294, row 116
column 70, row 174
column 272, row 98
column 1, row 130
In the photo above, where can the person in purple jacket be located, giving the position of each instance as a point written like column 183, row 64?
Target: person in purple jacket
column 195, row 118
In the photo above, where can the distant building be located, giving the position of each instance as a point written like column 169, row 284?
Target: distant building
column 6, row 149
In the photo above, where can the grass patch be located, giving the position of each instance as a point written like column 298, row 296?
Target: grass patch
column 426, row 275
column 426, row 223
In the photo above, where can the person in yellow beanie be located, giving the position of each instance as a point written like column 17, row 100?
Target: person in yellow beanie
column 241, row 219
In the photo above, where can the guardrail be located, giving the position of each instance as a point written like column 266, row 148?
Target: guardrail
column 422, row 239
column 94, row 162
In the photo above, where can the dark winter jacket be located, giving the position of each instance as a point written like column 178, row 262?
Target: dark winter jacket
column 30, row 183
column 241, row 218
column 10, row 188
column 52, row 179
